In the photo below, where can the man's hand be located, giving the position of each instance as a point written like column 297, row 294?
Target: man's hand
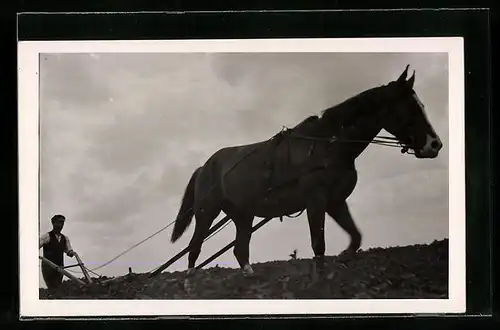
column 71, row 253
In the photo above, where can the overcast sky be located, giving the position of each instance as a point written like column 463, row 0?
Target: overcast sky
column 122, row 133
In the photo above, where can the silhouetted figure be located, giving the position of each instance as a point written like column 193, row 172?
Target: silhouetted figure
column 54, row 244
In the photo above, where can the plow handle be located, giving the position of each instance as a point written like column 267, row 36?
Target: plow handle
column 61, row 270
column 84, row 270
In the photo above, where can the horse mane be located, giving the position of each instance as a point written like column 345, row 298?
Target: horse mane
column 344, row 113
column 307, row 125
column 309, row 120
column 353, row 107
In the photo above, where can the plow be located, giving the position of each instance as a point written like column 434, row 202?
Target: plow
column 63, row 270
column 213, row 230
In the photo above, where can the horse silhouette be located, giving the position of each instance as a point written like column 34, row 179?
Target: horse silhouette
column 310, row 167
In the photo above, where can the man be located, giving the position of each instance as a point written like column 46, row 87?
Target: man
column 54, row 245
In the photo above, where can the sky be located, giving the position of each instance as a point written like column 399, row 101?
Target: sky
column 121, row 134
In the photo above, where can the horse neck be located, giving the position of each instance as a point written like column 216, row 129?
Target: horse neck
column 360, row 134
column 357, row 120
column 363, row 137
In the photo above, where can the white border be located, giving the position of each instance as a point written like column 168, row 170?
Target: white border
column 31, row 306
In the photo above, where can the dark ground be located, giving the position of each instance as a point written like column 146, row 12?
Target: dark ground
column 417, row 271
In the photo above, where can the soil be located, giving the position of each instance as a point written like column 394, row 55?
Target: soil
column 416, row 271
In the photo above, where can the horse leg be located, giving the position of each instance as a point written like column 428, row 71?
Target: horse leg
column 242, row 242
column 316, row 216
column 204, row 220
column 339, row 211
column 243, row 221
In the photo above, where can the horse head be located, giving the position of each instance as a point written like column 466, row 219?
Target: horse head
column 407, row 121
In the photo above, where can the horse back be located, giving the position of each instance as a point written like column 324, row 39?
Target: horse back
column 246, row 172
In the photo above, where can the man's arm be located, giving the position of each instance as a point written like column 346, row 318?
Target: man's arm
column 69, row 250
column 44, row 239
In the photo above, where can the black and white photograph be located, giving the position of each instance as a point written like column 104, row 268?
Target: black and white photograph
column 214, row 177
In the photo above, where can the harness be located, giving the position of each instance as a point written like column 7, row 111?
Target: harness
column 380, row 140
column 287, row 133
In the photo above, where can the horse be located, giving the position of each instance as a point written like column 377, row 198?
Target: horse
column 309, row 167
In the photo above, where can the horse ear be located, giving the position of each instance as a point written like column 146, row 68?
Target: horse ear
column 402, row 77
column 411, row 81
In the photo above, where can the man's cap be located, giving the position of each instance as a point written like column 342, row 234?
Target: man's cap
column 58, row 217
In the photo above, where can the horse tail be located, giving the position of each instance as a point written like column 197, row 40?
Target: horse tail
column 186, row 212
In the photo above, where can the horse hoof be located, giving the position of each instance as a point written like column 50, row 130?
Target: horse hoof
column 349, row 251
column 248, row 271
column 190, row 272
column 346, row 255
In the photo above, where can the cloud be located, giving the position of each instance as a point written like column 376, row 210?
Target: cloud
column 63, row 75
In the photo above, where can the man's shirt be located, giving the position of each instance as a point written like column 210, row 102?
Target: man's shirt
column 45, row 239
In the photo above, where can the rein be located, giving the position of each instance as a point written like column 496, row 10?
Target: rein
column 387, row 141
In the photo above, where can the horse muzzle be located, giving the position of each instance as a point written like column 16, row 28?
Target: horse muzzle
column 431, row 148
